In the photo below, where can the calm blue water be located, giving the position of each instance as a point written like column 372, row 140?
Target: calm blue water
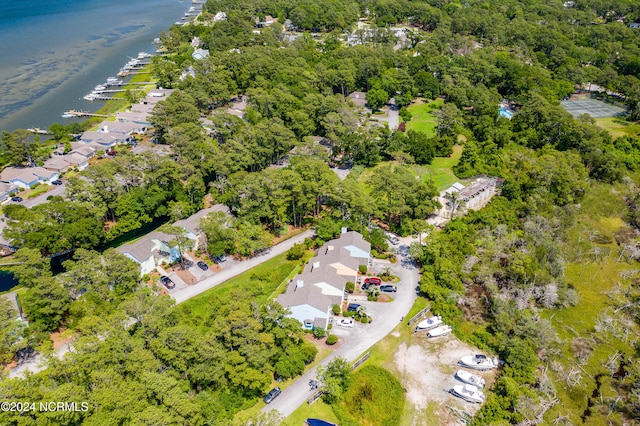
column 53, row 52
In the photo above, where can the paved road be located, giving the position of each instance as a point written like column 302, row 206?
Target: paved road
column 386, row 317
column 188, row 292
column 56, row 190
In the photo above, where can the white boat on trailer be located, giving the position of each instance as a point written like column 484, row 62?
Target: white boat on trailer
column 439, row 331
column 469, row 378
column 478, row 362
column 469, row 393
column 429, row 323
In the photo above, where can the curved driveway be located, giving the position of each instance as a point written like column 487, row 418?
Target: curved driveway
column 361, row 337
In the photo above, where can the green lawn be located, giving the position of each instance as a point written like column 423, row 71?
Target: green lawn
column 440, row 170
column 38, row 190
column 261, row 282
column 618, row 127
column 422, row 118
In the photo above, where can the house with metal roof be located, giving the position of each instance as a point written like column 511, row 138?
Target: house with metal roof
column 311, row 294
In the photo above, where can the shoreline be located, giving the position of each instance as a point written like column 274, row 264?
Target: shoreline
column 49, row 74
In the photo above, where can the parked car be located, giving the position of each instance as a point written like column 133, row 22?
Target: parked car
column 222, row 258
column 389, row 288
column 394, row 240
column 273, row 394
column 166, row 281
column 57, row 182
column 16, row 199
column 346, row 322
column 353, row 307
column 202, row 265
column 373, row 280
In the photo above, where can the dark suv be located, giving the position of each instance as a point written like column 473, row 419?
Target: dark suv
column 353, row 307
column 166, row 281
column 202, row 265
column 273, row 394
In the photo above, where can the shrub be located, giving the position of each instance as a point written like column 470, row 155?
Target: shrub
column 335, row 309
column 348, row 314
column 362, row 269
column 332, row 339
column 145, row 278
column 350, row 287
column 296, row 252
column 374, row 396
column 319, row 332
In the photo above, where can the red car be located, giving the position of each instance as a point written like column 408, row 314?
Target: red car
column 373, row 280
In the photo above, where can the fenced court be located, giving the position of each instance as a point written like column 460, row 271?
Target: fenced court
column 593, row 107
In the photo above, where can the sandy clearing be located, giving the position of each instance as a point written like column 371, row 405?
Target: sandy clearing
column 428, row 366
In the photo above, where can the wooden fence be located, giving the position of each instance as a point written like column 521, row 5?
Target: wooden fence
column 419, row 315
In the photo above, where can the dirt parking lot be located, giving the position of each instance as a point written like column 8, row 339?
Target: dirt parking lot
column 429, row 366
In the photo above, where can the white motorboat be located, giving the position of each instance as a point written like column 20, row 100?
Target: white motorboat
column 99, row 88
column 439, row 331
column 429, row 323
column 143, row 55
column 469, row 378
column 90, row 97
column 114, row 81
column 469, row 393
column 478, row 362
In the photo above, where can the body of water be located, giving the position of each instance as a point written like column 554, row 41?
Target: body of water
column 53, row 52
column 7, row 280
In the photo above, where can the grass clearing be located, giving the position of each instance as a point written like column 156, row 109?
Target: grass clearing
column 38, row 190
column 422, row 117
column 618, row 127
column 260, row 282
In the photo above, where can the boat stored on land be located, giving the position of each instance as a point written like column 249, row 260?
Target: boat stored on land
column 439, row 331
column 478, row 362
column 469, row 378
column 469, row 393
column 429, row 323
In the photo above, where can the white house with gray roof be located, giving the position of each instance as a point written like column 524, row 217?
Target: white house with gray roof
column 310, row 295
column 154, row 248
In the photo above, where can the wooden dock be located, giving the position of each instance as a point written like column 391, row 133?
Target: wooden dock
column 84, row 114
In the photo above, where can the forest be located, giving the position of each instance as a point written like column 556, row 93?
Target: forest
column 511, row 278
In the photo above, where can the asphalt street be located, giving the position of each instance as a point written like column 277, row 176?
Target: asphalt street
column 230, row 270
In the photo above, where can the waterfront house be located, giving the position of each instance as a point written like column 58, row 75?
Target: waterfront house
column 103, row 138
column 133, row 117
column 310, row 295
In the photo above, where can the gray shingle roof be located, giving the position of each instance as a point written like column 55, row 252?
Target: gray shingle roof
column 324, row 277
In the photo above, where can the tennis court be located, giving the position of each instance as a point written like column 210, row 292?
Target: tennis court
column 593, row 107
